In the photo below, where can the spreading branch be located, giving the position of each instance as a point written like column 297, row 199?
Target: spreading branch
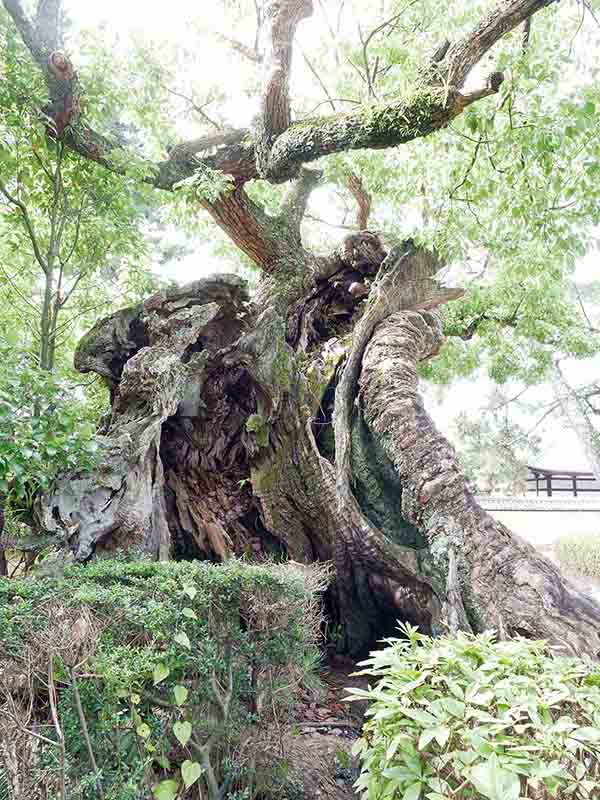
column 247, row 225
column 275, row 113
column 294, row 206
column 363, row 201
column 251, row 53
column 27, row 222
column 464, row 54
column 278, row 148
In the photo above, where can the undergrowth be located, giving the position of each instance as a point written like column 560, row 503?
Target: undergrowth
column 133, row 680
column 468, row 717
column 579, row 555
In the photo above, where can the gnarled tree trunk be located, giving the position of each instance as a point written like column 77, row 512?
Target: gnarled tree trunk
column 290, row 422
column 238, row 430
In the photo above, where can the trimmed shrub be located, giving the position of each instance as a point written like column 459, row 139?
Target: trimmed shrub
column 468, row 717
column 579, row 555
column 140, row 679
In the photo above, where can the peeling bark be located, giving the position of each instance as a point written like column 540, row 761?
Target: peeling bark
column 155, row 358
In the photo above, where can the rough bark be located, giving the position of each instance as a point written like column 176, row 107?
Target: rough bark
column 276, row 112
column 155, row 359
column 291, row 424
column 505, row 584
column 220, row 443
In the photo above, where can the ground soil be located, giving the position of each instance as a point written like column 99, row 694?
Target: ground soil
column 317, row 745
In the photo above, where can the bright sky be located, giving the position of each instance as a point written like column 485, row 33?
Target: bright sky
column 174, row 20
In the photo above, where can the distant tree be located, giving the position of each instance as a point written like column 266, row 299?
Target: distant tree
column 494, row 452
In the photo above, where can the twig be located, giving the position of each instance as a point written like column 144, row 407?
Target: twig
column 85, row 731
column 583, row 311
column 468, row 170
column 198, row 109
column 28, row 224
column 57, row 728
column 311, row 67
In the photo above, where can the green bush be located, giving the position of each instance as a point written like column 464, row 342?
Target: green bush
column 173, row 670
column 44, row 430
column 467, row 717
column 579, row 554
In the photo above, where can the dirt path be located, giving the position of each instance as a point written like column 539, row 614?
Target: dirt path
column 317, row 744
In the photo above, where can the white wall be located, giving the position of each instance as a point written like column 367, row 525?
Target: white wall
column 543, row 528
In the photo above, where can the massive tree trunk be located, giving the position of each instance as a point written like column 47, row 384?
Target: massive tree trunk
column 289, row 423
column 222, row 441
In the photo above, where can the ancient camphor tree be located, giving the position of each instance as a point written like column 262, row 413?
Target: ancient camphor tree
column 289, row 421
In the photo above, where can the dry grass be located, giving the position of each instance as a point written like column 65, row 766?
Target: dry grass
column 579, row 555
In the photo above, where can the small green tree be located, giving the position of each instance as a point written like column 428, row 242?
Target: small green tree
column 469, row 717
column 44, row 428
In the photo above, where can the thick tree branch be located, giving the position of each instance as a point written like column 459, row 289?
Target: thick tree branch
column 275, row 113
column 406, row 281
column 281, row 148
column 463, row 55
column 294, row 206
column 48, row 24
column 42, row 40
column 363, row 200
column 373, row 127
column 247, row 226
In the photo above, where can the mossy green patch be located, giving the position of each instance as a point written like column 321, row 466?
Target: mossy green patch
column 259, row 426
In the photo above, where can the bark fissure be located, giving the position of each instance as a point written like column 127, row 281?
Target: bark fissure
column 504, row 582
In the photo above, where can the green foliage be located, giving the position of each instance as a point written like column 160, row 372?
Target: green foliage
column 469, row 717
column 207, row 184
column 579, row 555
column 83, row 237
column 174, row 661
column 508, row 191
column 44, row 429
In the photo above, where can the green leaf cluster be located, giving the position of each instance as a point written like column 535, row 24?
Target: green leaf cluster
column 471, row 717
column 45, row 429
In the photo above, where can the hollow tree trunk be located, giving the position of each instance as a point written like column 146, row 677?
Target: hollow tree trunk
column 221, row 442
column 292, row 424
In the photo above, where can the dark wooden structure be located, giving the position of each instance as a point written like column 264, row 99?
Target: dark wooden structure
column 548, row 482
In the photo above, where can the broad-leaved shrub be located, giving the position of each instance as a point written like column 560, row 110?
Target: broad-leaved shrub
column 469, row 717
